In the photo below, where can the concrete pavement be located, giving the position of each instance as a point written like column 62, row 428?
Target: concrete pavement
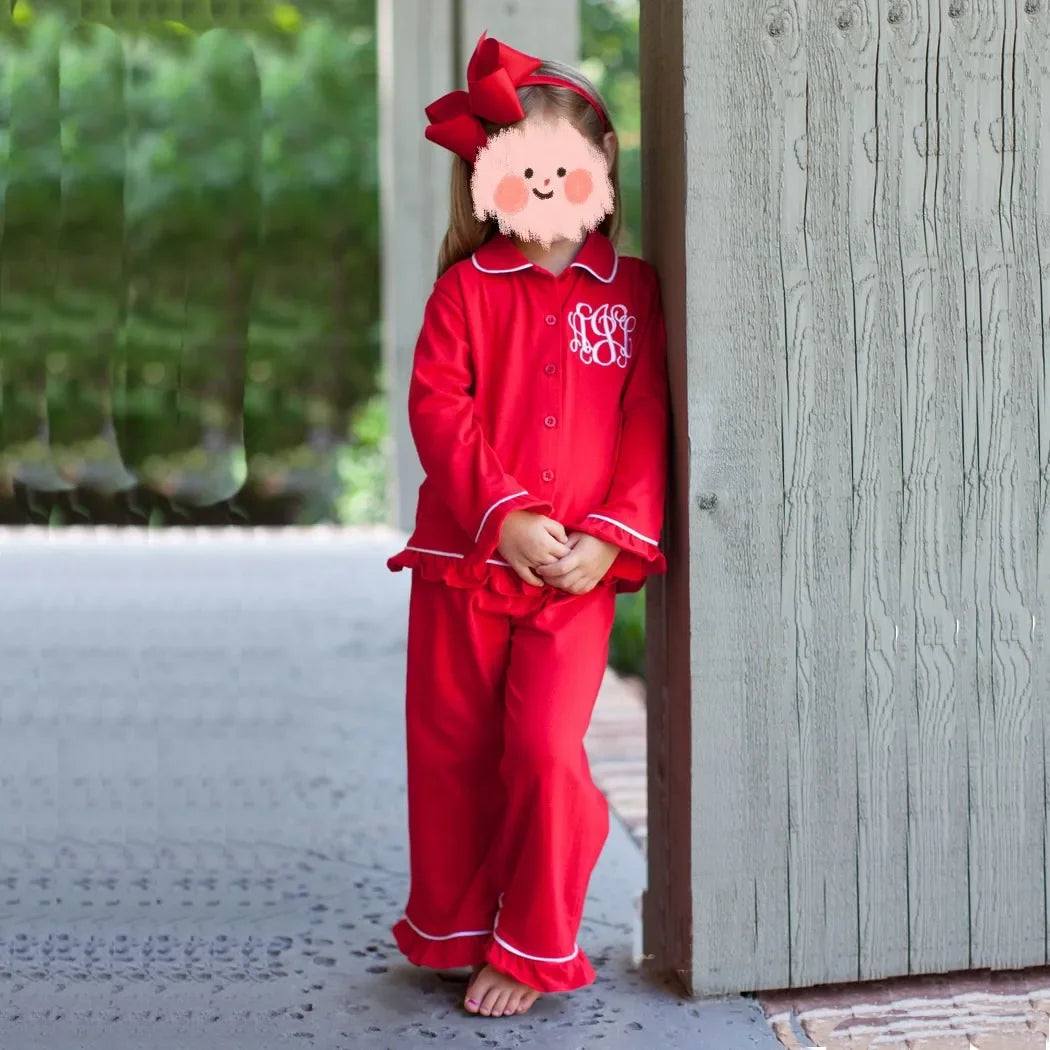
column 202, row 830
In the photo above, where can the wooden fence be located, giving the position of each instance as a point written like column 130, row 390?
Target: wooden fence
column 852, row 222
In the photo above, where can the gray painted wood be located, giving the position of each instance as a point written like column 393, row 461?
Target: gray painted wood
column 922, row 276
column 1005, row 864
column 735, row 369
column 783, row 243
column 1034, row 134
column 548, row 29
column 865, row 380
column 1028, row 306
column 415, row 56
column 870, row 155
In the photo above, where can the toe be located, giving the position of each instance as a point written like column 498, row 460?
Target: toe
column 475, row 993
column 489, row 1000
column 501, row 1003
column 513, row 1003
column 527, row 1000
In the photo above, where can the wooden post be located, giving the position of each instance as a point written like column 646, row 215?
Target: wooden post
column 423, row 50
column 667, row 903
column 415, row 55
column 849, row 207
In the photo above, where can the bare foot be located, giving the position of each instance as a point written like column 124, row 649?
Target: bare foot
column 494, row 994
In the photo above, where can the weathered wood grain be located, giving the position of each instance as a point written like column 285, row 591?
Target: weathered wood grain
column 1035, row 134
column 866, row 148
column 783, row 240
column 818, row 494
column 882, row 165
column 1029, row 204
column 736, row 644
column 921, row 290
column 1005, row 870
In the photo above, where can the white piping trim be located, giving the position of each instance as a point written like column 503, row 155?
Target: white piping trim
column 481, row 933
column 450, row 554
column 513, row 269
column 447, row 936
column 604, row 280
column 499, row 502
column 613, row 521
column 536, row 958
column 528, row 266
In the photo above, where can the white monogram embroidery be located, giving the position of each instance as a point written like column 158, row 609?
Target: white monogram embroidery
column 601, row 335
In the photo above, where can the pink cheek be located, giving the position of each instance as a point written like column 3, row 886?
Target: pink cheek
column 578, row 185
column 511, row 194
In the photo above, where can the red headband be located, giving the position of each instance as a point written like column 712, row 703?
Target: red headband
column 494, row 74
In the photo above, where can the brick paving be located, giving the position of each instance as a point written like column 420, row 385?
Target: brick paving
column 1003, row 1010
column 616, row 750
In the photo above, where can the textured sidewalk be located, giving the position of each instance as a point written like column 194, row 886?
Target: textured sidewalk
column 202, row 841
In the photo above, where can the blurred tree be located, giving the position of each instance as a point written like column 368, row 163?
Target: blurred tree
column 190, row 257
column 609, row 56
column 189, row 262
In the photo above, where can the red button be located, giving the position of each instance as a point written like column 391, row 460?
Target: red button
column 550, row 421
column 548, row 475
column 551, row 369
column 551, row 319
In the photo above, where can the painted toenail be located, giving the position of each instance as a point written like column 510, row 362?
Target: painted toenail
column 472, row 1002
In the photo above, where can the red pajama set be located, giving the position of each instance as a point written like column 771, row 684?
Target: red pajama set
column 548, row 394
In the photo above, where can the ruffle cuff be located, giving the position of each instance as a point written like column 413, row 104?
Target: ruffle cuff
column 439, row 955
column 543, row 976
column 455, row 572
column 637, row 559
column 488, row 539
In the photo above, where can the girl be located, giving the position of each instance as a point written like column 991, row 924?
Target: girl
column 538, row 406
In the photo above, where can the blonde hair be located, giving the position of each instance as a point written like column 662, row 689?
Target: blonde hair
column 465, row 232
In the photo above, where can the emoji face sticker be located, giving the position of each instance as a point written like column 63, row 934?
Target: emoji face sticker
column 541, row 180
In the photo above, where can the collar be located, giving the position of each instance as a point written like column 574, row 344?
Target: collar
column 500, row 254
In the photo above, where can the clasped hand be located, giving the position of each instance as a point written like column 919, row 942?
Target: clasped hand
column 538, row 549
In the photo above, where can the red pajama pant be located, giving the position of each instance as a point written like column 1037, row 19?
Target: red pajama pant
column 505, row 824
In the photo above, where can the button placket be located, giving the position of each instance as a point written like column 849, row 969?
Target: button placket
column 550, row 422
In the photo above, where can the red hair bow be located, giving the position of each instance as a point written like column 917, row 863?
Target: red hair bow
column 494, row 73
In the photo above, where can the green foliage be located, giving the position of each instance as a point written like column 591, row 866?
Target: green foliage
column 362, row 467
column 609, row 45
column 190, row 243
column 190, row 248
column 627, row 642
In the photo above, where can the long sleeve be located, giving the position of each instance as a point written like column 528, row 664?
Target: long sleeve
column 632, row 514
column 452, row 449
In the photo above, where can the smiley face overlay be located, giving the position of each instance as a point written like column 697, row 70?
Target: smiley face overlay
column 542, row 180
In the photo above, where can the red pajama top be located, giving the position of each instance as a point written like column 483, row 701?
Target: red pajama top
column 543, row 393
